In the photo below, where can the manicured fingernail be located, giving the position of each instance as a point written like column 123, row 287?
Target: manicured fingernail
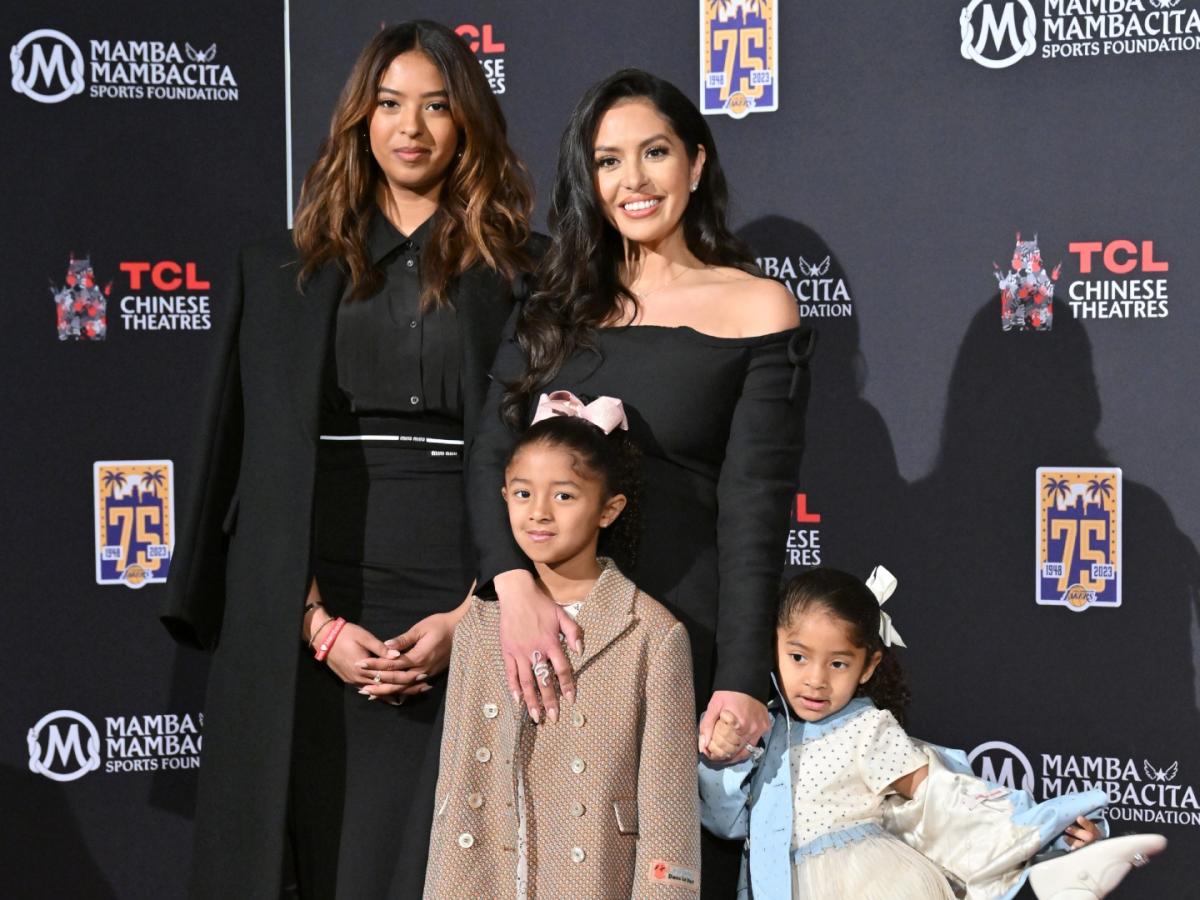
column 393, row 654
column 422, row 676
column 570, row 695
column 516, row 695
column 371, row 697
column 533, row 714
column 389, row 643
column 552, row 715
column 578, row 645
column 365, row 692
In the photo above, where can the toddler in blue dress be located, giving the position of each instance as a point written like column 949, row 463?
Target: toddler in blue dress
column 843, row 803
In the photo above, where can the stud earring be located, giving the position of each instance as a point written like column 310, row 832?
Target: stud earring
column 695, row 184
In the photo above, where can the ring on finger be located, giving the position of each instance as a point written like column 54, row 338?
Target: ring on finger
column 378, row 678
column 541, row 668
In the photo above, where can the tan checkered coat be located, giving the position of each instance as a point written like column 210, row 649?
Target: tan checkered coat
column 610, row 789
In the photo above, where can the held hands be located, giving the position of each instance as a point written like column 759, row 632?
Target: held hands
column 724, row 743
column 530, row 626
column 732, row 726
column 1084, row 831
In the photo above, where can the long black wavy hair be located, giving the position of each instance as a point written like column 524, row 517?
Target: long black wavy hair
column 578, row 284
column 613, row 458
column 848, row 598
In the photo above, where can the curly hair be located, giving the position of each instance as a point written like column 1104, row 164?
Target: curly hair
column 486, row 199
column 849, row 599
column 615, row 459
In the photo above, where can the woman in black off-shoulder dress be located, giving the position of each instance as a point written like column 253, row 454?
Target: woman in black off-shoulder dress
column 644, row 295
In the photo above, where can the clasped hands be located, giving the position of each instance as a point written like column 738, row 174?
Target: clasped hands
column 390, row 670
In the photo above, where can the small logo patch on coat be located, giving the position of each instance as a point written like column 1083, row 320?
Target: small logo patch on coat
column 663, row 872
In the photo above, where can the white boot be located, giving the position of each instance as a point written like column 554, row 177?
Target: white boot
column 1092, row 872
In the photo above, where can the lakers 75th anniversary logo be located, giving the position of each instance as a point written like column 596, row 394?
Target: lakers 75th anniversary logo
column 1078, row 537
column 739, row 56
column 135, row 521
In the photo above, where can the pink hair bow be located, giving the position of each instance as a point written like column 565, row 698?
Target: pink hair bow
column 606, row 413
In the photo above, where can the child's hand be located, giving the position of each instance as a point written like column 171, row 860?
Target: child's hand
column 724, row 743
column 1083, row 832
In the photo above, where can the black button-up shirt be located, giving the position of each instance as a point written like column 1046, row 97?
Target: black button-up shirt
column 392, row 357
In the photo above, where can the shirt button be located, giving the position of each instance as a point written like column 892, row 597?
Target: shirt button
column 577, row 854
column 466, row 840
column 409, row 263
column 577, row 718
column 412, row 323
column 577, row 809
column 578, row 766
column 490, row 710
column 483, row 754
column 475, row 800
column 414, row 399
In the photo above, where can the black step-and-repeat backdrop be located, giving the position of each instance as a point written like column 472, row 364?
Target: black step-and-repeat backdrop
column 987, row 207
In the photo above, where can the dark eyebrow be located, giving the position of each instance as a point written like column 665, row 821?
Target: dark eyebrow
column 649, row 140
column 801, row 646
column 425, row 96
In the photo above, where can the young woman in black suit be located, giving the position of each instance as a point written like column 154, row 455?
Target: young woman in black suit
column 329, row 510
column 645, row 295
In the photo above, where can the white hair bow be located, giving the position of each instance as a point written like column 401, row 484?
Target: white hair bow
column 882, row 583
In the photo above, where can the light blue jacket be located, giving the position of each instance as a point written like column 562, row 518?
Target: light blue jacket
column 752, row 800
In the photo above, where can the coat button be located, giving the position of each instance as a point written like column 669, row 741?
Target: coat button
column 475, row 800
column 414, row 399
column 490, row 710
column 578, row 766
column 577, row 718
column 483, row 754
column 412, row 323
column 466, row 840
column 577, row 854
column 577, row 809
column 409, row 263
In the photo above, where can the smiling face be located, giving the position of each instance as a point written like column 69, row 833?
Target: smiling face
column 413, row 134
column 820, row 668
column 556, row 506
column 643, row 173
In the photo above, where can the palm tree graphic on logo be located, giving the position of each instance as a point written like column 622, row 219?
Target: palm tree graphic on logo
column 151, row 479
column 1057, row 488
column 1101, row 487
column 114, row 480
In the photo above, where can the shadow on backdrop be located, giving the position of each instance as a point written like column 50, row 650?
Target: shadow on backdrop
column 849, row 475
column 987, row 663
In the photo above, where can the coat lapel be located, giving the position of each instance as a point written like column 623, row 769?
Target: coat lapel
column 480, row 302
column 606, row 614
column 310, row 327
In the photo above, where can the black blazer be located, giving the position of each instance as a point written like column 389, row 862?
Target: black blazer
column 242, row 555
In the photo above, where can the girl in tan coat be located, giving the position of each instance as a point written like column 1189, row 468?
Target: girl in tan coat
column 602, row 802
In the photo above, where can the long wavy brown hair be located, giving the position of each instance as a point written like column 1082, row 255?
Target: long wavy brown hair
column 486, row 198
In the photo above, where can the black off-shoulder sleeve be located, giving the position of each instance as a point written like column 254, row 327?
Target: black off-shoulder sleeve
column 497, row 549
column 758, row 476
column 195, row 604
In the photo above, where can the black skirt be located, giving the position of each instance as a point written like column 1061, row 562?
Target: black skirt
column 390, row 548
